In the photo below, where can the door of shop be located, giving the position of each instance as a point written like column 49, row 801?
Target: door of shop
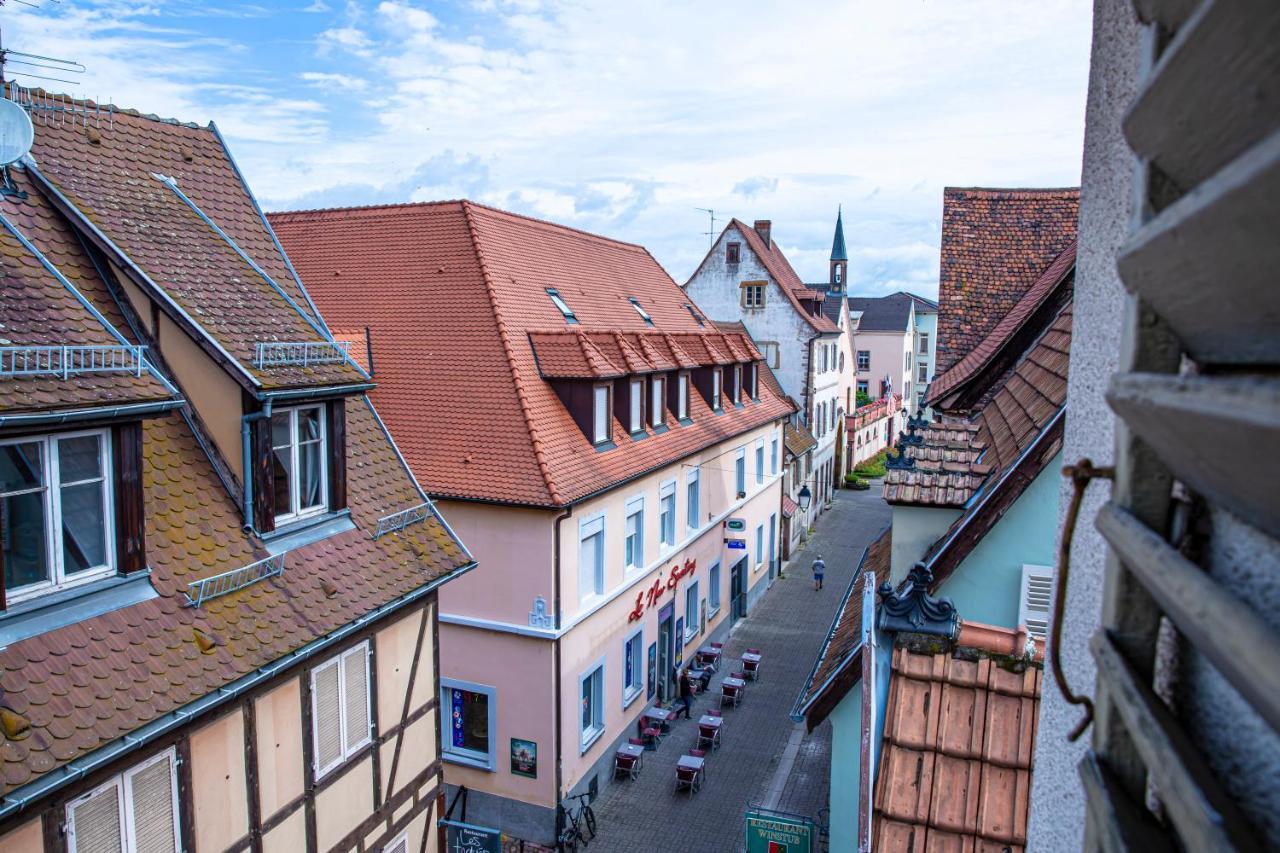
column 665, row 646
column 738, row 590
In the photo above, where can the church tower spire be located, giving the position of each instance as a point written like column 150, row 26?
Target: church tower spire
column 839, row 256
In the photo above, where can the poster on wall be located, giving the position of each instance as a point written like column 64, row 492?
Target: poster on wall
column 653, row 670
column 679, row 642
column 524, row 758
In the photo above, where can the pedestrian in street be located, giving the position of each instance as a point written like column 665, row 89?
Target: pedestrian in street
column 819, row 568
column 686, row 694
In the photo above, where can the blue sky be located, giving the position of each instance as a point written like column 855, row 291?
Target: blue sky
column 619, row 118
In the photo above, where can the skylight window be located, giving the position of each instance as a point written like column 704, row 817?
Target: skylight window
column 562, row 306
column 635, row 303
column 695, row 314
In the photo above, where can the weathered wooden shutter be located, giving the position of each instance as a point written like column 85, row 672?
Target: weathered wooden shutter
column 1199, row 396
column 326, row 715
column 258, row 466
column 94, row 823
column 336, row 431
column 1033, row 599
column 131, row 538
column 355, row 697
column 150, row 800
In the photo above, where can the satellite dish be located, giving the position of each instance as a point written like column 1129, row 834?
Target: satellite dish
column 16, row 132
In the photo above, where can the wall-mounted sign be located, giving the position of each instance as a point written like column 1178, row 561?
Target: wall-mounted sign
column 524, row 758
column 465, row 838
column 778, row 833
column 649, row 597
column 737, row 525
column 736, row 544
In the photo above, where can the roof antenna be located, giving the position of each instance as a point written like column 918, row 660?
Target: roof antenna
column 711, row 234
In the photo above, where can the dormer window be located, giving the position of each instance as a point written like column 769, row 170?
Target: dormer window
column 733, row 253
column 644, row 315
column 55, row 507
column 562, row 306
column 298, row 463
column 635, row 407
column 753, row 377
column 600, row 414
column 682, row 396
column 657, row 402
column 716, row 378
column 736, row 388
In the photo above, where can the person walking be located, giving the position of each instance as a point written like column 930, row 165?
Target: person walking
column 819, row 568
column 686, row 694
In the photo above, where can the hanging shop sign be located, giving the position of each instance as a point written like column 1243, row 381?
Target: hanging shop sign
column 737, row 525
column 769, row 831
column 653, row 594
column 736, row 544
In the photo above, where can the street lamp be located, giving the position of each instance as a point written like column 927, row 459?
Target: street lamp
column 805, row 497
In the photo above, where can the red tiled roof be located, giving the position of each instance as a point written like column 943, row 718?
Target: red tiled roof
column 454, row 295
column 797, row 439
column 110, row 173
column 358, row 346
column 967, row 367
column 956, row 761
column 995, row 245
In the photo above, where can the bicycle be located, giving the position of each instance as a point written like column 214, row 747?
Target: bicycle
column 583, row 818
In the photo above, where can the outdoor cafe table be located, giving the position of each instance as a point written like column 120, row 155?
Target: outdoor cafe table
column 708, row 652
column 634, row 750
column 693, row 762
column 708, row 720
column 662, row 715
column 734, row 682
column 750, row 656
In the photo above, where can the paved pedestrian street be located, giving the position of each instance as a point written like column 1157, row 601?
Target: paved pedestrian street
column 765, row 759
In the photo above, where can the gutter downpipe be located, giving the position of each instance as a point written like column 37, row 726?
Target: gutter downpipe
column 246, row 474
column 555, row 583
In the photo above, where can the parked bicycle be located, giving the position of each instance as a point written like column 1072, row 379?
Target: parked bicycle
column 580, row 824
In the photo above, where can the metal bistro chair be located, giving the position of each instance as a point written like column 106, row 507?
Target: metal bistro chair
column 627, row 764
column 708, row 736
column 751, row 669
column 730, row 695
column 650, row 733
column 688, row 778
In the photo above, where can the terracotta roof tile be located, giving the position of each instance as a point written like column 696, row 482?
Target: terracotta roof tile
column 995, row 245
column 955, row 767
column 465, row 284
column 798, row 439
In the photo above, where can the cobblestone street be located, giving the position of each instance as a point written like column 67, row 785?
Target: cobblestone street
column 765, row 759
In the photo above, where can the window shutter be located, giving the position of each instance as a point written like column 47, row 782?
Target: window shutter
column 337, row 452
column 355, row 678
column 326, row 721
column 126, row 450
column 95, row 823
column 1034, row 598
column 258, row 466
column 150, row 797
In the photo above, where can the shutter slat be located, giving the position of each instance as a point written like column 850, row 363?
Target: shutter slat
column 1247, row 655
column 1214, row 93
column 1204, row 429
column 151, row 804
column 326, row 716
column 1205, row 817
column 95, row 823
column 1035, row 594
column 355, row 674
column 1207, row 263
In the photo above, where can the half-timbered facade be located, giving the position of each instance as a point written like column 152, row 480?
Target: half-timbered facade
column 218, row 623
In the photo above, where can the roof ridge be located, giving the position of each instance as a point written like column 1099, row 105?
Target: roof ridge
column 1017, row 192
column 114, row 108
column 538, row 451
column 286, row 215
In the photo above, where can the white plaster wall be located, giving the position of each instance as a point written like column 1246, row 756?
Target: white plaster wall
column 889, row 354
column 926, row 323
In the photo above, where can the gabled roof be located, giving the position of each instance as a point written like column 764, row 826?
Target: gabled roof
column 923, row 304
column 798, row 439
column 465, row 339
column 167, row 203
column 995, row 244
column 890, row 313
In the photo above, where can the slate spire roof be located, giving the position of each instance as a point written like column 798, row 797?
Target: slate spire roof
column 838, row 251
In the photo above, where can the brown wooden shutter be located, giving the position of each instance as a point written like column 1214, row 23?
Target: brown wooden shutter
column 131, row 540
column 336, row 411
column 258, row 466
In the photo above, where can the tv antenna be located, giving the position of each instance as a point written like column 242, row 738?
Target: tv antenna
column 711, row 233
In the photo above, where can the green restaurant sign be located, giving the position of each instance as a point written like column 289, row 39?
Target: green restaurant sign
column 778, row 832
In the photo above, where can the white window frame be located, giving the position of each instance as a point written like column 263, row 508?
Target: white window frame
column 635, row 398
column 924, row 344
column 713, row 589
column 667, row 527
column 601, row 417
column 682, row 412
column 737, row 385
column 56, row 577
column 740, row 472
column 860, row 362
column 693, row 507
column 690, row 611
column 759, row 461
column 461, row 755
column 771, row 351
column 753, row 295
column 122, row 782
column 644, row 315
column 635, row 509
column 588, row 527
column 657, row 401
column 922, row 373
column 348, row 749
column 773, row 456
column 296, row 513
column 759, row 545
column 587, row 735
column 717, row 389
column 638, row 666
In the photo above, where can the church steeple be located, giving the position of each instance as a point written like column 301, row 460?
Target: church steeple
column 839, row 255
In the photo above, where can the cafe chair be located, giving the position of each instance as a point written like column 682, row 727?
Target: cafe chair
column 708, row 736
column 751, row 669
column 739, row 674
column 753, row 651
column 688, row 779
column 730, row 695
column 650, row 733
column 628, row 765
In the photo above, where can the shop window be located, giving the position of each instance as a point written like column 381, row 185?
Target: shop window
column 632, row 667
column 468, row 719
column 591, row 558
column 341, row 720
column 633, row 541
column 56, row 511
column 133, row 811
column 667, row 514
column 591, row 697
column 298, row 463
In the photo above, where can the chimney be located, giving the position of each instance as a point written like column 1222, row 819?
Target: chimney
column 763, row 227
